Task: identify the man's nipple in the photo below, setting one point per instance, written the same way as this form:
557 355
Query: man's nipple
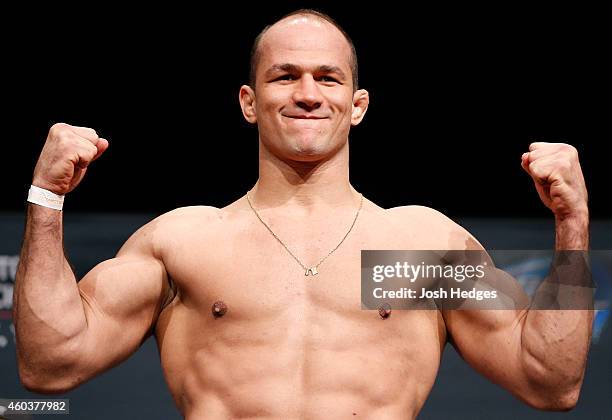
219 308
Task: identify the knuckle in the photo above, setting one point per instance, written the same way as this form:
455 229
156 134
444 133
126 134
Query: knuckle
535 169
567 164
64 135
57 128
87 153
90 132
574 152
567 147
74 156
62 130
92 151
65 141
570 151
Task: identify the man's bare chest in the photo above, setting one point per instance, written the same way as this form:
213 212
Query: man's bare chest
254 274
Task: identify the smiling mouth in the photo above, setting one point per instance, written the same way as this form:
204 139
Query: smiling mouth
304 117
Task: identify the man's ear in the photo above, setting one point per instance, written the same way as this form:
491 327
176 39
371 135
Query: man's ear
361 100
247 103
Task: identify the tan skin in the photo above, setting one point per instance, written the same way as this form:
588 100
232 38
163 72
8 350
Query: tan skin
289 346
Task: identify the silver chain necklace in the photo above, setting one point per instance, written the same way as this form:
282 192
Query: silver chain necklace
312 271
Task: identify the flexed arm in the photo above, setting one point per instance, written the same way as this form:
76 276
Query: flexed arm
66 331
538 354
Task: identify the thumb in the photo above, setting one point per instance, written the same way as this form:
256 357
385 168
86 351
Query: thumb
525 165
102 145
525 162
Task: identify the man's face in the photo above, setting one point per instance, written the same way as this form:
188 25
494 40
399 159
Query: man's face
304 92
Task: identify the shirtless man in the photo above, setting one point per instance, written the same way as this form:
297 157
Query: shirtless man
277 343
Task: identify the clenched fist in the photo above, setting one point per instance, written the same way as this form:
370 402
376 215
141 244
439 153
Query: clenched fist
556 171
64 159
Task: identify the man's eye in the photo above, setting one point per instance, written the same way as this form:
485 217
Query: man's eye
285 77
328 79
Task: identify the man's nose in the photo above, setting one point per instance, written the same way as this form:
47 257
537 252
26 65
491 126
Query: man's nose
307 94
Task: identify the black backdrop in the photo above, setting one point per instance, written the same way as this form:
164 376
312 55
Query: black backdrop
457 95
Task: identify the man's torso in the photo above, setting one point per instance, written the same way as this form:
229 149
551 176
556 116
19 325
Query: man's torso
290 345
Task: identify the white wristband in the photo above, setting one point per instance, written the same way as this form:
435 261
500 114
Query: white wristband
45 198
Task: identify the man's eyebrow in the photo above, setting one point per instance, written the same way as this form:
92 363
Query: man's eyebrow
292 68
285 67
331 69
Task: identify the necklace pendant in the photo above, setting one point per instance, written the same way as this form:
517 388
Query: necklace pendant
311 271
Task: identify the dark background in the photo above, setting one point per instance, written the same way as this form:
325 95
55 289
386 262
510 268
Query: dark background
457 95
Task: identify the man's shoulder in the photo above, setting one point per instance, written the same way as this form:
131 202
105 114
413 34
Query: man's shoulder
172 226
433 224
183 220
182 215
420 213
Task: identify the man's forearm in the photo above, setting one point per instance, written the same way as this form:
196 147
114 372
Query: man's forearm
556 341
572 232
47 308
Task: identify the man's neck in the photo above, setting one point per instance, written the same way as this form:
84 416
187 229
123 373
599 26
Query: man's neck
306 187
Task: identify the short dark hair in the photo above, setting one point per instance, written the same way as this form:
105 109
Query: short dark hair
256 54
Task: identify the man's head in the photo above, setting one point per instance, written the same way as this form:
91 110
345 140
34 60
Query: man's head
256 51
303 94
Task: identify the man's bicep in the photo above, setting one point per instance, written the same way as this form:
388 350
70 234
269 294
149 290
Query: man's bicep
122 298
490 340
488 335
